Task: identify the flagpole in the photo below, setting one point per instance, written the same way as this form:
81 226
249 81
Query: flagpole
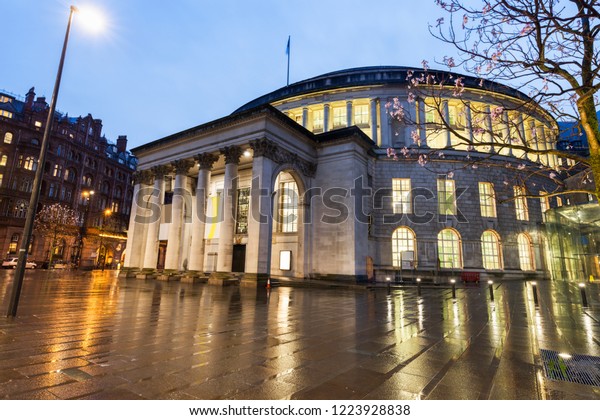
288 64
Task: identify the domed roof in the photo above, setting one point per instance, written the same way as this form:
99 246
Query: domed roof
369 76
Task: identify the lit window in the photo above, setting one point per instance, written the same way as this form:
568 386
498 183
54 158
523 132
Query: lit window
401 195
544 204
6 114
8 137
318 119
521 208
559 202
361 115
14 243
403 242
288 207
29 163
1 179
491 251
38 124
526 261
339 116
3 160
449 249
243 207
446 196
487 199
57 170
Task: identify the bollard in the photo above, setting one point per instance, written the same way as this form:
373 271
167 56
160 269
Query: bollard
535 296
453 288
418 287
491 287
583 296
389 284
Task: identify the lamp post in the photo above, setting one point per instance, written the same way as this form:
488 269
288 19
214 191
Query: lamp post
37 182
106 214
87 196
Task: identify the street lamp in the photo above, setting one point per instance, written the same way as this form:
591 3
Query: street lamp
101 254
37 182
87 196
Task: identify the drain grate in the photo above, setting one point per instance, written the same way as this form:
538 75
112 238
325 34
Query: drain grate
577 368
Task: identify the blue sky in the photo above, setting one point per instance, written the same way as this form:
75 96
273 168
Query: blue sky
160 67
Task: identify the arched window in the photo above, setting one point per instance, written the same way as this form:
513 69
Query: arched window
403 246
287 215
87 180
3 160
59 250
449 249
30 163
491 252
14 243
8 137
526 260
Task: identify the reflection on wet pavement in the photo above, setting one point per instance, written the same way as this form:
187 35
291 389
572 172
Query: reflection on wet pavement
93 336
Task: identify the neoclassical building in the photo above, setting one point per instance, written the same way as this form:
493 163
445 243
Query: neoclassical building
361 174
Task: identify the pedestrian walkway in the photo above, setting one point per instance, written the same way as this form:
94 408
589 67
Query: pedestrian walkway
94 336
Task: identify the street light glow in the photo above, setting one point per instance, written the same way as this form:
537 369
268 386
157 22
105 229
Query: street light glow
91 19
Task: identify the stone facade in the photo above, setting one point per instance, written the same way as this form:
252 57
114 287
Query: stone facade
301 184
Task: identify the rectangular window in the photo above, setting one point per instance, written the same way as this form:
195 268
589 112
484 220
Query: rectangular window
1 179
288 207
243 206
401 195
521 203
339 116
317 119
446 196
6 114
487 199
361 115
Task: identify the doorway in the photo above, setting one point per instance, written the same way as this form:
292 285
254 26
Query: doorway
238 264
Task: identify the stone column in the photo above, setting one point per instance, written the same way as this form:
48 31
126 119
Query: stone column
521 127
205 163
469 122
348 113
260 220
489 128
305 117
325 118
374 121
225 249
155 207
446 116
136 232
173 253
386 125
506 130
421 123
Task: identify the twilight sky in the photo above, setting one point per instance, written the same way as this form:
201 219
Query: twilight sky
160 67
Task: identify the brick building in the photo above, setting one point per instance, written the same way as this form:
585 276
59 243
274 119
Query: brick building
83 171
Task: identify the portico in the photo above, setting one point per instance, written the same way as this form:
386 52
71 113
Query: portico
231 202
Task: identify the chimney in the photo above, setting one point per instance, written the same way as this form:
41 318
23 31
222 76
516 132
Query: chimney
122 144
29 99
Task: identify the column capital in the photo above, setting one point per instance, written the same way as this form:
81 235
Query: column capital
142 177
206 160
160 170
182 166
264 147
232 154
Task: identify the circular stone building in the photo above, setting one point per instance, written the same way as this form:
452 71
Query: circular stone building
365 174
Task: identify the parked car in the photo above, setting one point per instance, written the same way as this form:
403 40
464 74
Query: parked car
12 263
61 265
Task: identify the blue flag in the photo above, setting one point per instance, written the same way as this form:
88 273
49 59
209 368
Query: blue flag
287 48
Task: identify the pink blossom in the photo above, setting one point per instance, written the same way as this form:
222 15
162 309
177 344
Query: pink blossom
449 62
474 166
526 29
425 65
405 151
450 175
411 98
552 175
459 87
465 21
497 113
414 134
422 160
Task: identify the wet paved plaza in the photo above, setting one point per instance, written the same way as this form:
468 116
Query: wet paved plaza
94 336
